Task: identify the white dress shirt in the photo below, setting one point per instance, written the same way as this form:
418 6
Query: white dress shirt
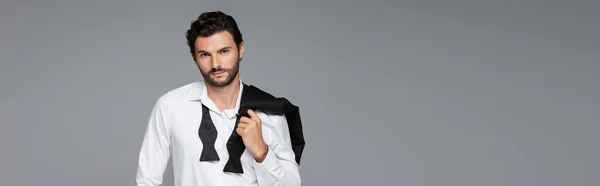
172 132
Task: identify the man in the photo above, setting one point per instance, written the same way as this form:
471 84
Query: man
197 124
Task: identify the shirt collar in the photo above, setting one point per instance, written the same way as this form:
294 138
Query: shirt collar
200 93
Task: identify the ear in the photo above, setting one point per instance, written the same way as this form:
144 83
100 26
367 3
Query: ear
241 50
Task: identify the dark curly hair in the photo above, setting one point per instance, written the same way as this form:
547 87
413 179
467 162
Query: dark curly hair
209 23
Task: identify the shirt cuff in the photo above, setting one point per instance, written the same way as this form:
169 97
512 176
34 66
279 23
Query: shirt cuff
269 161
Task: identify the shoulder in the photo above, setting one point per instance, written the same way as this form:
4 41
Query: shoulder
275 128
274 123
178 94
253 92
271 120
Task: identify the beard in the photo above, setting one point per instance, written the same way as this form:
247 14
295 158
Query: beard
231 73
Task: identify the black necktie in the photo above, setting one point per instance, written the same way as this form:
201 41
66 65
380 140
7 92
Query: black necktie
208 134
258 100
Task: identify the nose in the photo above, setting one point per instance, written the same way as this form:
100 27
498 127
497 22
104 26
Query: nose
216 61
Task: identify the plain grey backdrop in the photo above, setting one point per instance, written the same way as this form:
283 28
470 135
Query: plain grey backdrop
420 93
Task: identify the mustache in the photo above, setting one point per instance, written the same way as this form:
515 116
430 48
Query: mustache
218 69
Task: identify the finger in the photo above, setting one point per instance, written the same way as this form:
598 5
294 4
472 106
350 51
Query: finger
253 115
240 131
242 125
246 120
246 123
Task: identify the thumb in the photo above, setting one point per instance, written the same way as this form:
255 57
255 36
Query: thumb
253 115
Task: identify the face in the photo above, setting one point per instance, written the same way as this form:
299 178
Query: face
218 58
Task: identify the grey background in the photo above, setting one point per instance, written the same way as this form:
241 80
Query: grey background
454 93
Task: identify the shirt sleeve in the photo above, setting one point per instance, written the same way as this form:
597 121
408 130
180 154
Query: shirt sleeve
155 151
279 166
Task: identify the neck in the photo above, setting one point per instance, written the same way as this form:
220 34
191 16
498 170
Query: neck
224 97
